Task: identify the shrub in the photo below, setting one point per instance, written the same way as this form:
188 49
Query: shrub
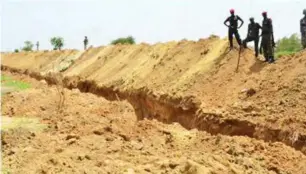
28 46
57 43
288 45
128 40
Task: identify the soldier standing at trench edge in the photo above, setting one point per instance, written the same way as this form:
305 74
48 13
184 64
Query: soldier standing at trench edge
267 41
303 29
37 45
85 43
253 35
233 27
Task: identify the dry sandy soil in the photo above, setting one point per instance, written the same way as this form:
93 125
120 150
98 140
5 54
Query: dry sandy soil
93 135
176 107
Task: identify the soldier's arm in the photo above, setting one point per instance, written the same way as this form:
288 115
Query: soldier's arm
249 29
301 26
225 22
271 26
273 42
272 33
259 26
242 22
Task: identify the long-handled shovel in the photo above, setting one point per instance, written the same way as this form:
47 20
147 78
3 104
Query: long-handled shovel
240 49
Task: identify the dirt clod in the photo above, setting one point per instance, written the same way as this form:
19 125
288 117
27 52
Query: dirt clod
173 165
42 108
108 129
109 139
72 141
98 132
87 157
250 92
72 136
12 152
125 137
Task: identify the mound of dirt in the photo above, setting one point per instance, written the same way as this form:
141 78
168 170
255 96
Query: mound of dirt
41 61
270 95
93 135
162 67
194 84
165 67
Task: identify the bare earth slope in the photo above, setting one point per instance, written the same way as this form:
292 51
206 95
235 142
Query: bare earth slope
93 135
163 67
192 83
41 61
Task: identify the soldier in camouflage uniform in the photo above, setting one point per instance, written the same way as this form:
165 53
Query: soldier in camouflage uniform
303 29
267 41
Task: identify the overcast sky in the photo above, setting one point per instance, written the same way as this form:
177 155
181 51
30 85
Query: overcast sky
148 21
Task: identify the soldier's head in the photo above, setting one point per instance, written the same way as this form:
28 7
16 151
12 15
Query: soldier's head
252 20
304 12
264 14
232 11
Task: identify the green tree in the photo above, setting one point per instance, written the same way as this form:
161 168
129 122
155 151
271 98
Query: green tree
124 40
28 46
16 50
288 45
57 43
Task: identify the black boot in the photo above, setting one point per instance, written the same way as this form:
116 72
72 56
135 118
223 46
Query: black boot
271 60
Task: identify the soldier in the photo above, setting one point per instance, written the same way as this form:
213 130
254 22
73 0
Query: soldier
85 43
233 27
253 35
267 41
37 45
303 29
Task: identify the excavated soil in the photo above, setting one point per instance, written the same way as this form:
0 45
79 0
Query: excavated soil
41 61
93 135
191 83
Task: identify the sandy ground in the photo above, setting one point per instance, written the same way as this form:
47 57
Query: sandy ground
248 121
93 135
5 89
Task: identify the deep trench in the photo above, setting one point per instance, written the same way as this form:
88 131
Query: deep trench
167 109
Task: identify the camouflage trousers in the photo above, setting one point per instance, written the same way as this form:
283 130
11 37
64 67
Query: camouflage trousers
266 44
304 40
